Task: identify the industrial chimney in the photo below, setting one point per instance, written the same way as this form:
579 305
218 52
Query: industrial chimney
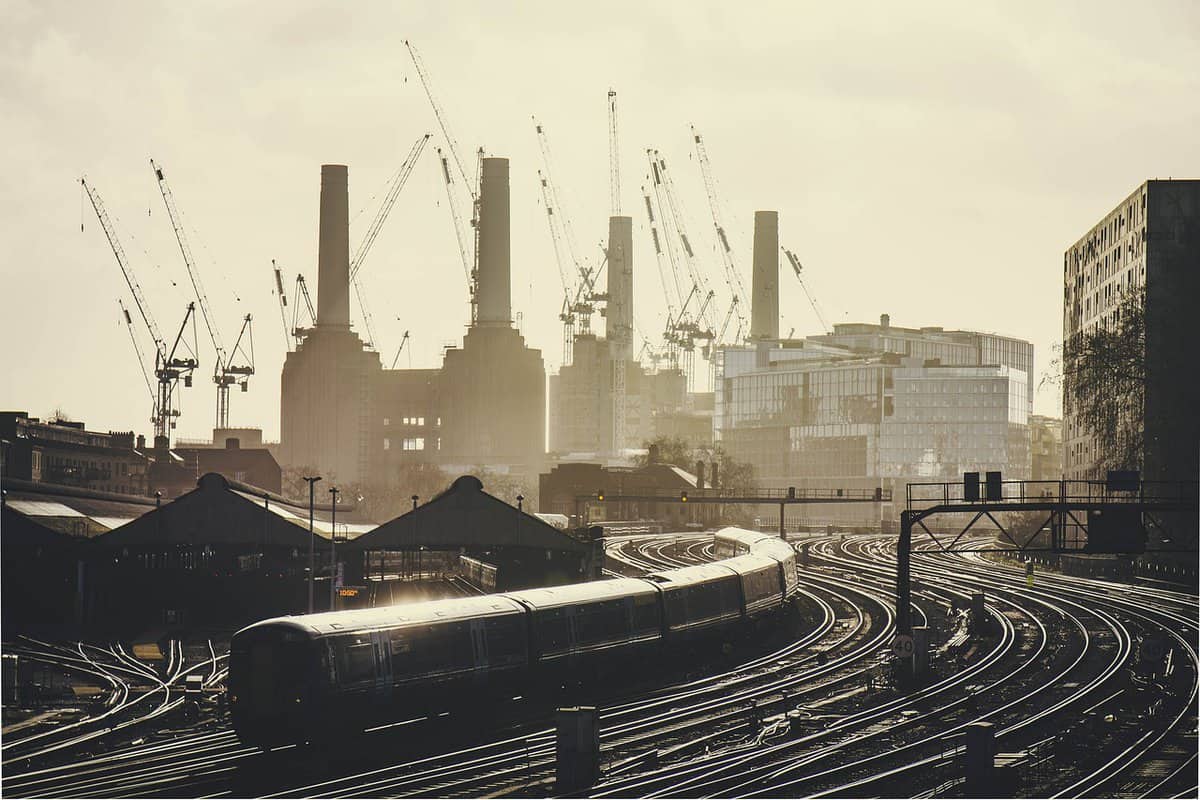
495 255
333 254
764 308
618 324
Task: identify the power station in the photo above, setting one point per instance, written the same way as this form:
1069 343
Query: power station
347 417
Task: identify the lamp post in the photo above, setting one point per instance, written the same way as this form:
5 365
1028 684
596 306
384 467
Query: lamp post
333 491
312 559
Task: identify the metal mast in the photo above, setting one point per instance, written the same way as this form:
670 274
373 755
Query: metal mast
619 336
225 372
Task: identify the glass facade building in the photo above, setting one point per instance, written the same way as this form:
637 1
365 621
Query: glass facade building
873 406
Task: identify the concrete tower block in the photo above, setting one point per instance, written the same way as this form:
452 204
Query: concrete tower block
495 254
333 254
764 309
618 325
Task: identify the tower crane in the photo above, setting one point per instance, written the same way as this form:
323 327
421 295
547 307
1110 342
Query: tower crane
579 278
619 336
400 349
225 371
137 349
301 293
471 259
393 192
282 295
614 157
733 278
171 363
812 301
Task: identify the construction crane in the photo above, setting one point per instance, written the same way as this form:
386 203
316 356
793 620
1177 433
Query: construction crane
733 278
301 293
566 314
614 157
171 363
579 278
464 250
137 349
225 371
282 295
812 301
470 260
393 192
619 335
400 349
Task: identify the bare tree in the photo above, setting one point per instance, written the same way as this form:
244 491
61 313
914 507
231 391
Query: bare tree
1103 375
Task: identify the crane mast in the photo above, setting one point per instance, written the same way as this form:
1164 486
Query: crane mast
614 157
169 364
621 335
301 293
225 372
400 349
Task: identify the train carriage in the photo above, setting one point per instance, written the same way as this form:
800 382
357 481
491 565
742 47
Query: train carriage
295 679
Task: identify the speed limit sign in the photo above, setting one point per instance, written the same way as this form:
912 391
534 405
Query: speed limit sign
902 646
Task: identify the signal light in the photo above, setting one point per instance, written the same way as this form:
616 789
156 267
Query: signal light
971 487
683 497
600 495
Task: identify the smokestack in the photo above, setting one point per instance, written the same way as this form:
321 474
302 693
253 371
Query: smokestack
618 325
495 255
764 308
333 254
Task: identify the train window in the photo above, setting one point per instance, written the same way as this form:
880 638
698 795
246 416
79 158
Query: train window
601 622
554 630
505 639
645 614
356 659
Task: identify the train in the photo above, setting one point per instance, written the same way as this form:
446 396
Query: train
325 677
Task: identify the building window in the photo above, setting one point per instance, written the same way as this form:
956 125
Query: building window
386 422
387 444
417 443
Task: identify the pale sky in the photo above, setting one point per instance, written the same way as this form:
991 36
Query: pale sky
928 160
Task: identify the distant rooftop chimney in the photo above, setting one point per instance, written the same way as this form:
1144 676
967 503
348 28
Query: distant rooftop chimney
333 254
885 321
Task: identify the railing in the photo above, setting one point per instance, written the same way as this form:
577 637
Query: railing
925 495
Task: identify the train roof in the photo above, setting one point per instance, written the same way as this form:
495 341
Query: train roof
742 535
570 594
750 562
696 574
397 616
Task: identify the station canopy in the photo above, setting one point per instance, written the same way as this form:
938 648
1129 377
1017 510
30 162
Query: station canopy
465 516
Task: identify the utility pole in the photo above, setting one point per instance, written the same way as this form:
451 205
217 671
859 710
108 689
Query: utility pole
312 559
333 491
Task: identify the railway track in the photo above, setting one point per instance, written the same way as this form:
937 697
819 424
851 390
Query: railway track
1059 654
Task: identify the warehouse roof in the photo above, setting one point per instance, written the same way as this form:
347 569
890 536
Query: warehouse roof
466 516
221 511
72 511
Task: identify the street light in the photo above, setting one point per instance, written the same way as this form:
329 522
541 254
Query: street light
312 562
333 491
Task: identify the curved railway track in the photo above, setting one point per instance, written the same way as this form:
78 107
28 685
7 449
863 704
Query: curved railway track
1058 653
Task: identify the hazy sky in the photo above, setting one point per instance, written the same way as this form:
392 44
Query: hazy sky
931 161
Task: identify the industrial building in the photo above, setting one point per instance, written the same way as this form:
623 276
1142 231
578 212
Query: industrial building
346 417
